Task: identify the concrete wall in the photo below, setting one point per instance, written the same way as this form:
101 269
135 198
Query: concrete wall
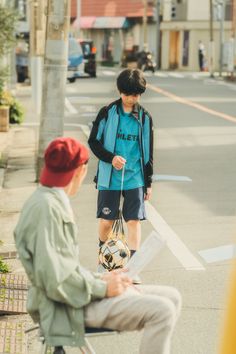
197 31
165 50
198 10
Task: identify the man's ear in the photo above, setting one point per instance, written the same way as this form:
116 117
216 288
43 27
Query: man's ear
81 171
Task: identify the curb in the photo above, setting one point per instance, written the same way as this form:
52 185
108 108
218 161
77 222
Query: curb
4 150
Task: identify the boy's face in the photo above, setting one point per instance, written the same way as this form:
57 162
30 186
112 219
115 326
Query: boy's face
130 100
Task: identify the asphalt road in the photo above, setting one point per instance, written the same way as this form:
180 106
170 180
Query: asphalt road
194 197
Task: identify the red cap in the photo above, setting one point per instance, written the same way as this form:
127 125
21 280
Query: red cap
62 157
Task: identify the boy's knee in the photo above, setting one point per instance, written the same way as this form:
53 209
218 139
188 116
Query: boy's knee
133 223
106 224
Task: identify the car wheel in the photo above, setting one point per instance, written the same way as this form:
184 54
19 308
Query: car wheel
71 79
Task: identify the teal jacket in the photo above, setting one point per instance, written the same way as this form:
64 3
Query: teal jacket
102 141
46 240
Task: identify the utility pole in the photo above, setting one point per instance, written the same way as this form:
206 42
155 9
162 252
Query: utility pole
37 30
78 15
222 19
145 39
54 75
211 44
158 38
233 35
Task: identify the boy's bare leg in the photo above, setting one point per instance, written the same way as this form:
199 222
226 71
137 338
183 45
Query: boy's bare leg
134 234
104 228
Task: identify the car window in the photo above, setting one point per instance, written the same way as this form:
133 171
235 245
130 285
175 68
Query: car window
86 48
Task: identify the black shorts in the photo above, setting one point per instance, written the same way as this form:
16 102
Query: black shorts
133 204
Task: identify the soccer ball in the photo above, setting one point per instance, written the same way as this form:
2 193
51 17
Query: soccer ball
113 254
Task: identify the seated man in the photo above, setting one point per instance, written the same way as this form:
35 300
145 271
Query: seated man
64 297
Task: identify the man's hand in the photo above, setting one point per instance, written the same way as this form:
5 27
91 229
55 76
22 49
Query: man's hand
117 282
118 162
147 195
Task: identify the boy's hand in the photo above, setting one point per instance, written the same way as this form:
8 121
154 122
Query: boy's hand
147 195
118 162
117 282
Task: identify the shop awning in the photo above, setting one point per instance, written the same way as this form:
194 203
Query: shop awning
111 22
84 22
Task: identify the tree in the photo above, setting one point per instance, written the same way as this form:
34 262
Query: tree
8 21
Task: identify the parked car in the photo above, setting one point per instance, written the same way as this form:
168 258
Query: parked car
81 59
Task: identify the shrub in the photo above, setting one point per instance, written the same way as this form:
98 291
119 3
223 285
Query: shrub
16 109
4 268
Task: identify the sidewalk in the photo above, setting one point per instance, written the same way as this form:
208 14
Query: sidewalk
17 182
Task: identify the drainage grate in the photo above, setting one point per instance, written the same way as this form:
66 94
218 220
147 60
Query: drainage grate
12 338
12 301
13 281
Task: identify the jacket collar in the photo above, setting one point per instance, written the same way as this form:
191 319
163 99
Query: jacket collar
135 111
60 195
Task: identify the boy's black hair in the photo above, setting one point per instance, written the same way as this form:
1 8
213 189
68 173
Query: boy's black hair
131 82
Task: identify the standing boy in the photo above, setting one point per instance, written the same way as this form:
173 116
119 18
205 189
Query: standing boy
122 140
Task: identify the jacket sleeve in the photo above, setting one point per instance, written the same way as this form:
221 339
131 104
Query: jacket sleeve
148 142
95 140
58 270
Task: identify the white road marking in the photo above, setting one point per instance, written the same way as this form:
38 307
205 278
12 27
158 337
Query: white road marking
171 178
84 127
160 74
176 75
218 254
195 76
108 73
71 109
176 246
88 114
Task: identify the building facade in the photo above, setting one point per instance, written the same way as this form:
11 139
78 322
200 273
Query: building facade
186 23
173 36
115 26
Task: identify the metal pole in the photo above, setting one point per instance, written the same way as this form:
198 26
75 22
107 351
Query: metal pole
78 15
233 35
145 42
211 44
37 26
158 34
54 75
222 19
